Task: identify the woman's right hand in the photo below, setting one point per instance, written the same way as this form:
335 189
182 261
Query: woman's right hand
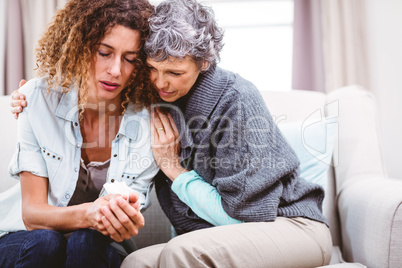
94 214
18 101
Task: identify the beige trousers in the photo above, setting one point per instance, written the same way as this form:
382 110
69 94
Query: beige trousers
286 242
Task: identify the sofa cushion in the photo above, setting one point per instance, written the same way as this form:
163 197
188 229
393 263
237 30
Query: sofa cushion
313 142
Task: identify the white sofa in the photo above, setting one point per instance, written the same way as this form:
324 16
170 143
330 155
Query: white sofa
362 205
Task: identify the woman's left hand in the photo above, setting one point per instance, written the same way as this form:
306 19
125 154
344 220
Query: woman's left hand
122 219
166 144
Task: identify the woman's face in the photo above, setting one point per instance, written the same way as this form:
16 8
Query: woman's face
173 78
113 63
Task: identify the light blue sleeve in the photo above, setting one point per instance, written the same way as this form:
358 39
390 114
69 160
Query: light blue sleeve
202 198
29 155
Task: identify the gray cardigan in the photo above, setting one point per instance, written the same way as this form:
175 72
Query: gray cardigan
230 139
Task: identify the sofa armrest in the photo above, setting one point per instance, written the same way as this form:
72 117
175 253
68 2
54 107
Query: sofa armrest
371 222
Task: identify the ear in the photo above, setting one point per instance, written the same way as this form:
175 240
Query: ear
204 65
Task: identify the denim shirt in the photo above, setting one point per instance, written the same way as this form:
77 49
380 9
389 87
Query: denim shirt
49 145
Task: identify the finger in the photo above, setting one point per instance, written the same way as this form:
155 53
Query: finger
171 136
125 213
16 95
100 227
112 232
132 197
154 133
165 123
127 208
134 214
111 196
158 125
136 205
173 125
112 224
22 82
132 218
16 110
121 209
176 133
18 103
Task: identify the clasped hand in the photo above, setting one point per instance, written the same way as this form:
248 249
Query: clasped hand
113 216
166 144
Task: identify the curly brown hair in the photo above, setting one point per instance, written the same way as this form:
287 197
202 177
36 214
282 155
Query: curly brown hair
65 50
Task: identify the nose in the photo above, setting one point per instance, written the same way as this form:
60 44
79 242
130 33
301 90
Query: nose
115 67
159 81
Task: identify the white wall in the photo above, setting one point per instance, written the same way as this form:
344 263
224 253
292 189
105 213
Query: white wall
384 20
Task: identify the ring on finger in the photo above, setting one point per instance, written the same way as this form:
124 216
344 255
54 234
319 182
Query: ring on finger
160 128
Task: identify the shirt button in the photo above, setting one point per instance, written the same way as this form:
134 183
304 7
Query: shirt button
112 180
78 146
76 124
67 196
115 155
76 169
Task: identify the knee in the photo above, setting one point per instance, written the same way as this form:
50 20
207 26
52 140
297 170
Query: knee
48 243
180 251
88 241
89 248
88 238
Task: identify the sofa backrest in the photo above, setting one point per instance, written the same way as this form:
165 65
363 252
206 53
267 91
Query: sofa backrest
359 148
300 105
8 137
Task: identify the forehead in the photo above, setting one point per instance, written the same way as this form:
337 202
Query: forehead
120 37
172 63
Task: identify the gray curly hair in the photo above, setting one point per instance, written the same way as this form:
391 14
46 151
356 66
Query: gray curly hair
181 28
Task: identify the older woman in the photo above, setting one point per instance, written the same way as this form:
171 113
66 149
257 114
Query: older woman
81 130
233 164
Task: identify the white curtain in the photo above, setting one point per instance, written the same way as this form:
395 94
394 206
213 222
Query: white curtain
14 55
308 64
3 19
344 43
21 25
36 15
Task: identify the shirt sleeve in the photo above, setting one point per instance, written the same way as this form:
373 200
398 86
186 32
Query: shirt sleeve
202 198
28 156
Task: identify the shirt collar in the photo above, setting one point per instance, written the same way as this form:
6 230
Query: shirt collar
134 116
68 106
129 127
206 92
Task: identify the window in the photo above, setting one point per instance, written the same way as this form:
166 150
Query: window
258 40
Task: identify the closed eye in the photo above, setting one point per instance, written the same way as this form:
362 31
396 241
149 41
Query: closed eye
103 54
130 61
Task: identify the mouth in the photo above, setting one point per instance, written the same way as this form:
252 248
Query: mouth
109 86
164 93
